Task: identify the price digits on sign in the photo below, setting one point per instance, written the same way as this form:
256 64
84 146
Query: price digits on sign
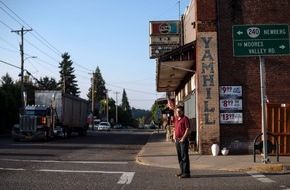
230 89
227 103
226 89
228 116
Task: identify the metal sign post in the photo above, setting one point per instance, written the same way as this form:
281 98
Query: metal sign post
261 40
263 104
158 115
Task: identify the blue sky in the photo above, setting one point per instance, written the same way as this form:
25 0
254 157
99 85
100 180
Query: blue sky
113 35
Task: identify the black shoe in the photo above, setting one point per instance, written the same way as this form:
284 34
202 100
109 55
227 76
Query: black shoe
184 176
178 175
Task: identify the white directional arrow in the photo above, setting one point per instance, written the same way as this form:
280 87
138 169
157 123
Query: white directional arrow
282 46
239 32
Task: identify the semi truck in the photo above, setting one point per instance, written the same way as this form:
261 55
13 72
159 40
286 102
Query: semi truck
54 114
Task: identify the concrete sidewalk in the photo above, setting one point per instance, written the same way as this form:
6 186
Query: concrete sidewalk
159 152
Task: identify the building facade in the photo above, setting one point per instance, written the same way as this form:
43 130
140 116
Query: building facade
221 91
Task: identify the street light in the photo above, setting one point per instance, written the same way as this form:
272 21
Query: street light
30 57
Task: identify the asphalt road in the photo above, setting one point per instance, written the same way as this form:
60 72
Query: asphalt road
106 160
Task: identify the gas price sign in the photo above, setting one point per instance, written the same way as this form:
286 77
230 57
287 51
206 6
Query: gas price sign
231 105
231 118
226 91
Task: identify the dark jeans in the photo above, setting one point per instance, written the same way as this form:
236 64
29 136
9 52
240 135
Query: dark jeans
183 157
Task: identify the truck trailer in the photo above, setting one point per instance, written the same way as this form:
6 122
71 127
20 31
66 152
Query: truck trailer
54 114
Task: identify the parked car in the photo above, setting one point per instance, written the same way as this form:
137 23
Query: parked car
118 126
96 124
141 126
104 126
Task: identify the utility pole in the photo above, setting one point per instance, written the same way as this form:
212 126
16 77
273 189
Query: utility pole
21 32
107 103
117 106
93 97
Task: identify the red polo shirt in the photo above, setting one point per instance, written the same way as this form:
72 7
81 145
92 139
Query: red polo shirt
180 126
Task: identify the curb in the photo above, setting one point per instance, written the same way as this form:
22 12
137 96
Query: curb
286 167
157 154
260 168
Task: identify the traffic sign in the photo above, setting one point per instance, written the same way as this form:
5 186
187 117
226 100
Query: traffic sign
257 40
158 113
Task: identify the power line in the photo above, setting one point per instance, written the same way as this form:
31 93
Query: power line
42 51
6 25
20 69
42 40
10 44
13 13
132 81
47 44
8 49
10 64
9 14
131 89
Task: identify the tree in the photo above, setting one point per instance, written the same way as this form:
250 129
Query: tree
125 103
6 80
47 83
99 91
10 101
99 86
67 82
127 109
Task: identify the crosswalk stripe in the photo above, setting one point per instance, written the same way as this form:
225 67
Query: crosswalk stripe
126 177
65 161
261 177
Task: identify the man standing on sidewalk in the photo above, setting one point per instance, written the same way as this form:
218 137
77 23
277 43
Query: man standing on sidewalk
181 129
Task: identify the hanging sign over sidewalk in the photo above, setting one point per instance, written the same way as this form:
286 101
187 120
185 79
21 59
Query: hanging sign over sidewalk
164 37
260 40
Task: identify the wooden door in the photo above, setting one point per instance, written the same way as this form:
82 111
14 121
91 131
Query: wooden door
278 123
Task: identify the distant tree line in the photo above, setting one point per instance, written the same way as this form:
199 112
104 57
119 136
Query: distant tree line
10 97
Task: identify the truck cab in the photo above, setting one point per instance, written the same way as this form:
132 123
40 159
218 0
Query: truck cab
34 123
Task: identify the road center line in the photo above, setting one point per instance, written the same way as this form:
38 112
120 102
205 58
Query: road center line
126 177
12 169
67 161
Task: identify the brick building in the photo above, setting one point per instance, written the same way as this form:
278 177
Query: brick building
204 64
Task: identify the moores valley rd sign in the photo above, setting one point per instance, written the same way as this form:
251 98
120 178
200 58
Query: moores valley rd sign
260 40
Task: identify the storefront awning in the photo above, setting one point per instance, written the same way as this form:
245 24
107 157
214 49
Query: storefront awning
171 73
173 67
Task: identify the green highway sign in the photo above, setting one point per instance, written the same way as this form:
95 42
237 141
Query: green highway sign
260 40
